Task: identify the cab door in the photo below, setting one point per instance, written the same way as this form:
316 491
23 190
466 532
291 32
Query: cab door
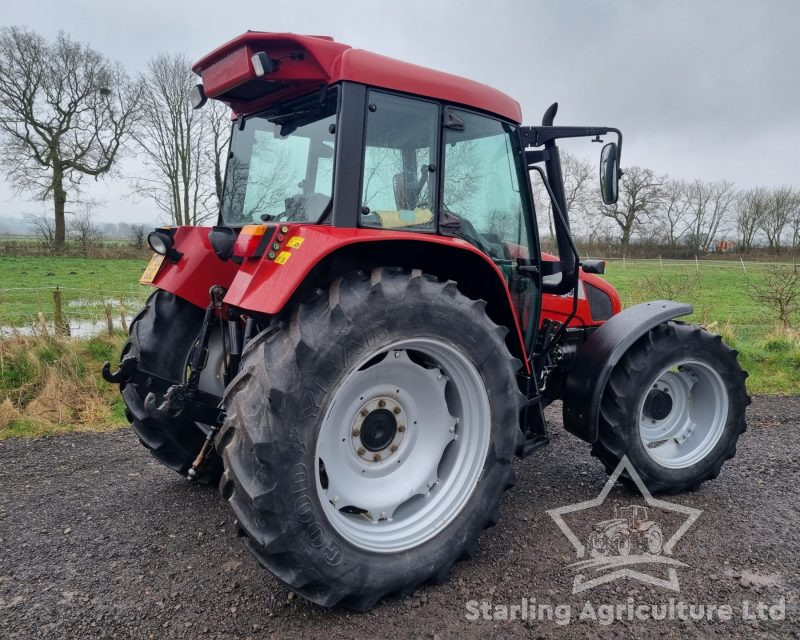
485 200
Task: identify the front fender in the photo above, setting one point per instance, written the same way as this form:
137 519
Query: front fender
597 357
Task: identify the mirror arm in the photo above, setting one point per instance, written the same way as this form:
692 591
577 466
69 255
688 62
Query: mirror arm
539 136
568 256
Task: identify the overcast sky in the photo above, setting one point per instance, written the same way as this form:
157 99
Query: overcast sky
700 88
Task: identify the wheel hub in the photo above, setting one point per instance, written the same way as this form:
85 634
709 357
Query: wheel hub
658 404
402 444
378 429
683 414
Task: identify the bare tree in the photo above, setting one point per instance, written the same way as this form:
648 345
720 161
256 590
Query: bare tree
183 148
45 230
779 212
672 287
65 112
83 228
794 222
639 199
219 134
751 209
137 236
709 204
670 213
579 185
779 291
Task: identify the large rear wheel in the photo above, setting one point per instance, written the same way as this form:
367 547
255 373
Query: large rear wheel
370 435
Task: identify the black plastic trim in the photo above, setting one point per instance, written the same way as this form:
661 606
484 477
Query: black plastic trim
596 358
349 153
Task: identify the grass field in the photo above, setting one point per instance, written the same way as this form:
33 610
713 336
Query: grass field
720 292
50 384
86 284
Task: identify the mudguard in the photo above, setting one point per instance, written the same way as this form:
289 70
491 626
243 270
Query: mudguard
592 368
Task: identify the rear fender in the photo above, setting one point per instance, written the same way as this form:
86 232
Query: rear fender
312 255
597 357
197 270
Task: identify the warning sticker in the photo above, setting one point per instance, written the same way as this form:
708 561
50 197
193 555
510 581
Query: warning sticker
283 257
294 242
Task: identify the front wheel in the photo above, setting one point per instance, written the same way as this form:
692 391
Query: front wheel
675 406
369 437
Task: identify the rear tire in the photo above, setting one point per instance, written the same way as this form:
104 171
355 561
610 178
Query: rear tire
294 374
161 337
661 359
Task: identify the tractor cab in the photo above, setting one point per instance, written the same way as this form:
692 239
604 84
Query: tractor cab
328 135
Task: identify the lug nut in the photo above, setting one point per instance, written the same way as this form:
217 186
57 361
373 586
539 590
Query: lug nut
401 428
396 410
394 448
356 433
381 403
361 451
376 457
363 413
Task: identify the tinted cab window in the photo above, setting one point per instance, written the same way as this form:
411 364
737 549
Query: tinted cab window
400 145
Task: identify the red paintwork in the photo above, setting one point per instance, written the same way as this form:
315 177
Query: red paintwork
262 285
198 268
329 62
559 307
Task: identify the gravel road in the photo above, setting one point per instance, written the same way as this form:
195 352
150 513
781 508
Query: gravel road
98 540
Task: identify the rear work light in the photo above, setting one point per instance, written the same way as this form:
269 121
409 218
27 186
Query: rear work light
252 241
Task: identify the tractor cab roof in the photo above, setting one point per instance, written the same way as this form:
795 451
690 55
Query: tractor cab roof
304 63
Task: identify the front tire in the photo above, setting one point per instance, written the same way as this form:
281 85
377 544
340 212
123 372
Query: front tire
675 406
315 457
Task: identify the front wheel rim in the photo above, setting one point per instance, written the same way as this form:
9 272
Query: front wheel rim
402 445
683 413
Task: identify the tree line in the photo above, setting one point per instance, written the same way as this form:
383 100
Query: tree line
68 113
675 216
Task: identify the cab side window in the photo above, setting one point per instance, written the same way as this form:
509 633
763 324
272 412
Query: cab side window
397 185
481 200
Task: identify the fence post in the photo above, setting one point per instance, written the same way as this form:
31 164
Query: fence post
696 263
123 322
109 318
743 267
661 261
59 324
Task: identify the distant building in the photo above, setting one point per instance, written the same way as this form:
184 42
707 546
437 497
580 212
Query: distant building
726 246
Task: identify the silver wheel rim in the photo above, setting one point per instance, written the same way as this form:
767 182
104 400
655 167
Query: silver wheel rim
683 413
395 490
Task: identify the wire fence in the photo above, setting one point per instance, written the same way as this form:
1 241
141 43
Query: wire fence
75 311
719 290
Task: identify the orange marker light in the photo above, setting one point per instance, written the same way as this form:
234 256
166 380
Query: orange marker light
249 238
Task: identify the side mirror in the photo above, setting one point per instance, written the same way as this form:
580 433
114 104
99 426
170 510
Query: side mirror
609 173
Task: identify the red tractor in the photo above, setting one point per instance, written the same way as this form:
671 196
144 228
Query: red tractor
360 347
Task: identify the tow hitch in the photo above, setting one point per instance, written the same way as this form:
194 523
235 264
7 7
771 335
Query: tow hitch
178 399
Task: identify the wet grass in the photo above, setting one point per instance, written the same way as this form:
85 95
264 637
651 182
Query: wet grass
86 284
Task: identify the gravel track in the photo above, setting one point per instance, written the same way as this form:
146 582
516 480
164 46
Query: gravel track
98 540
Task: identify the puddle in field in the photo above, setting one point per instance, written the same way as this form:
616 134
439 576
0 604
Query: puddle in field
79 327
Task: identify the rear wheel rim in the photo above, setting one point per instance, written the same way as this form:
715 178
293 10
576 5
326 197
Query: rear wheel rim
402 445
683 413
